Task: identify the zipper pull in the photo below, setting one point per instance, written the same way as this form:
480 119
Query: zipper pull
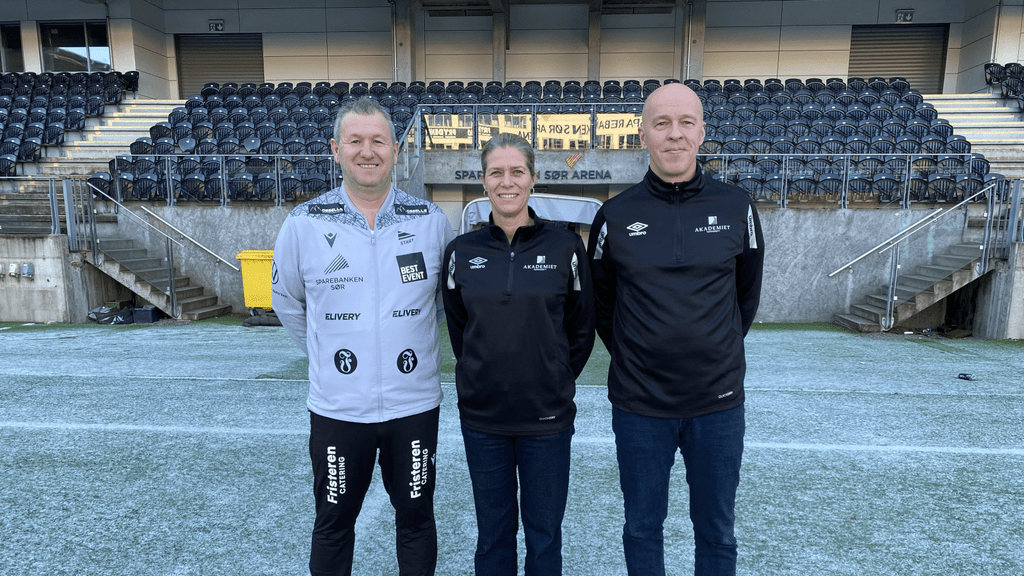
511 256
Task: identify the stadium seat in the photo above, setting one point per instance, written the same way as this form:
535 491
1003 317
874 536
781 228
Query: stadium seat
803 185
941 187
203 147
146 187
240 187
8 164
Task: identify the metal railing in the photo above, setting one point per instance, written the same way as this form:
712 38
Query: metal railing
1000 230
80 209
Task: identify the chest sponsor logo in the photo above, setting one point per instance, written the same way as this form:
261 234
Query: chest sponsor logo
412 267
477 262
405 237
407 361
345 361
326 209
405 313
411 210
637 229
713 226
338 263
342 315
273 273
540 265
330 239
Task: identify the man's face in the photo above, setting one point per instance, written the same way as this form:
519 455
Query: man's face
367 152
673 130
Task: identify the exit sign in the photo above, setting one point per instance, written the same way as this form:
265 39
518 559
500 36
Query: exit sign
216 25
905 16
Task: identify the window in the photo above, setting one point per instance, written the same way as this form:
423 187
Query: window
10 48
75 47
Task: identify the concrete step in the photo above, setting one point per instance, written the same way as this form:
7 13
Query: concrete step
952 261
856 323
142 262
972 251
912 281
107 244
125 255
207 312
935 271
869 312
196 302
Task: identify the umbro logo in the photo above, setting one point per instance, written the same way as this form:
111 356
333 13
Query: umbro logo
405 237
330 238
637 229
477 262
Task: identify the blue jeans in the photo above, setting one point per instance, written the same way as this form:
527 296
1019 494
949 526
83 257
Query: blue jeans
543 465
712 447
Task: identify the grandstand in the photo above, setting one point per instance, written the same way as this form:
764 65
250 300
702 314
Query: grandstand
171 148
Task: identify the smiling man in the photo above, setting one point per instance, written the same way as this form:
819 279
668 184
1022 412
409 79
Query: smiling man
676 263
355 283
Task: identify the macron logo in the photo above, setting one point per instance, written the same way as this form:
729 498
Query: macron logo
637 229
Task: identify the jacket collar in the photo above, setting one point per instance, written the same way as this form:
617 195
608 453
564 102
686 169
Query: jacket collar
523 233
671 191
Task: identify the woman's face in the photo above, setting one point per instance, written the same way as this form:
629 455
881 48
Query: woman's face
508 181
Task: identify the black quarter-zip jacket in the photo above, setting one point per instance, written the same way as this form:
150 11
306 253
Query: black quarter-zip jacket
677 280
521 323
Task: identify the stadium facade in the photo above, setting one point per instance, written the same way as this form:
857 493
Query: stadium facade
178 46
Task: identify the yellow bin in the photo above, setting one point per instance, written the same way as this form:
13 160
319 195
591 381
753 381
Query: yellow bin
257 269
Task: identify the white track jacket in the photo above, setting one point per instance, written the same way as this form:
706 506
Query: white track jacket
364 304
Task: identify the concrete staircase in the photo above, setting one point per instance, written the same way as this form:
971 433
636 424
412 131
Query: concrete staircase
994 126
146 275
25 207
925 285
918 290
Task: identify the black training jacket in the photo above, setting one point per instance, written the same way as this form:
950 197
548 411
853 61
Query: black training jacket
521 322
677 279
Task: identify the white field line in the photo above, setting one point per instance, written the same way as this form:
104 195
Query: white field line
607 440
600 386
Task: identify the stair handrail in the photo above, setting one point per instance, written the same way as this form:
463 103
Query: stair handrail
914 228
88 197
165 223
190 239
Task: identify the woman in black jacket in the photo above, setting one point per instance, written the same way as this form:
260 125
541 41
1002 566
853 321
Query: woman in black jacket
521 319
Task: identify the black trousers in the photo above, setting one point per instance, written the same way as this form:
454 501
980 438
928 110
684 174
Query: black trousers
343 455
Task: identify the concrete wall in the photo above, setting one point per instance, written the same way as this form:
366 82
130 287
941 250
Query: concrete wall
548 41
64 288
458 48
803 247
639 46
351 40
1000 312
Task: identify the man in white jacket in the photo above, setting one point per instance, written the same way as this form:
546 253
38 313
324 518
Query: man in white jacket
356 284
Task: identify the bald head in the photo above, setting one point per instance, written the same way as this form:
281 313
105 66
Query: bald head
674 93
672 130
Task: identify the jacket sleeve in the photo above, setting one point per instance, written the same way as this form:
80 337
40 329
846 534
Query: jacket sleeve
749 269
602 271
447 235
454 308
288 289
579 311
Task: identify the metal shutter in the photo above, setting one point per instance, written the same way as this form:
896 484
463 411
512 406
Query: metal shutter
217 58
915 52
